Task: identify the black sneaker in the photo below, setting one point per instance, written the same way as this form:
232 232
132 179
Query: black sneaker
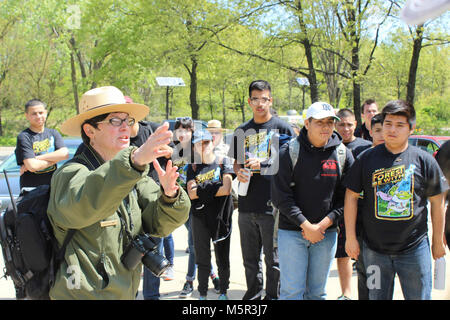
188 288
216 283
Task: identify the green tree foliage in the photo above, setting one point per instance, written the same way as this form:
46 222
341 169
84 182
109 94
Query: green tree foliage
349 50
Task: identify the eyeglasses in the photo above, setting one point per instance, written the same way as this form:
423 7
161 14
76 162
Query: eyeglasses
117 122
256 101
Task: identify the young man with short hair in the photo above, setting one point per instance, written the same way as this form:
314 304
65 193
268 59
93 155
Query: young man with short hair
397 180
251 147
376 129
310 197
369 108
346 128
38 148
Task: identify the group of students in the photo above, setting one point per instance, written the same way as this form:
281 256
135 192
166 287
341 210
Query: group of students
323 193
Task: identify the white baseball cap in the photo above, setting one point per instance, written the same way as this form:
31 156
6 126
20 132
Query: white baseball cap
321 110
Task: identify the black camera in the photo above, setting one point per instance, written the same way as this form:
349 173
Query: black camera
144 249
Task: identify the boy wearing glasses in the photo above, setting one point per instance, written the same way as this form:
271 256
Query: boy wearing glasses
251 148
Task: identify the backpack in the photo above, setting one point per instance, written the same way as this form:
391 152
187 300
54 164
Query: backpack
30 249
294 150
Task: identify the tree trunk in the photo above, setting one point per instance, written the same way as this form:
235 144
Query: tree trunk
193 86
224 108
74 82
354 40
167 103
242 104
2 77
243 111
356 85
314 92
411 85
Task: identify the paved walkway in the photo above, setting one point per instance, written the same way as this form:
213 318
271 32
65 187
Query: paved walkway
170 289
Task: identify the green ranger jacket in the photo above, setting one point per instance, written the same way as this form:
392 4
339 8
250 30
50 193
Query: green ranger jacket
92 203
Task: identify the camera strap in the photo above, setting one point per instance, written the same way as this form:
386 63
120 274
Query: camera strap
123 224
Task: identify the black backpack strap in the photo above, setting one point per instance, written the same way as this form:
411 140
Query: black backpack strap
62 250
86 158
59 256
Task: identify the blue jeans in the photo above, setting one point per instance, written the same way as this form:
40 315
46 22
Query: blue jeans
150 285
192 267
304 267
169 249
413 268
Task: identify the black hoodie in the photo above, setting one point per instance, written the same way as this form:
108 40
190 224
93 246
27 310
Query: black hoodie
318 191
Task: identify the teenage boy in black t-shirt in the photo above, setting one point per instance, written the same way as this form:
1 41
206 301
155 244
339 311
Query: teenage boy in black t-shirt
251 148
38 148
397 180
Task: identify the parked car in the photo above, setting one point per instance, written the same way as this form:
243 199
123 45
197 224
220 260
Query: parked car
430 144
13 170
292 116
198 124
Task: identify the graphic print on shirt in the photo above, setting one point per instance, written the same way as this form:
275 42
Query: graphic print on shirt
44 146
393 189
329 168
212 175
182 170
258 146
47 145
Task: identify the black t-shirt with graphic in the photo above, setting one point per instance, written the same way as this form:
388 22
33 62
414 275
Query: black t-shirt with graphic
212 172
254 140
31 144
396 188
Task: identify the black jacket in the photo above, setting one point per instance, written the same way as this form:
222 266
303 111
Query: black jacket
318 191
216 211
363 132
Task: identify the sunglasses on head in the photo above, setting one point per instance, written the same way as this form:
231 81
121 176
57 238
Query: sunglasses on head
183 118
